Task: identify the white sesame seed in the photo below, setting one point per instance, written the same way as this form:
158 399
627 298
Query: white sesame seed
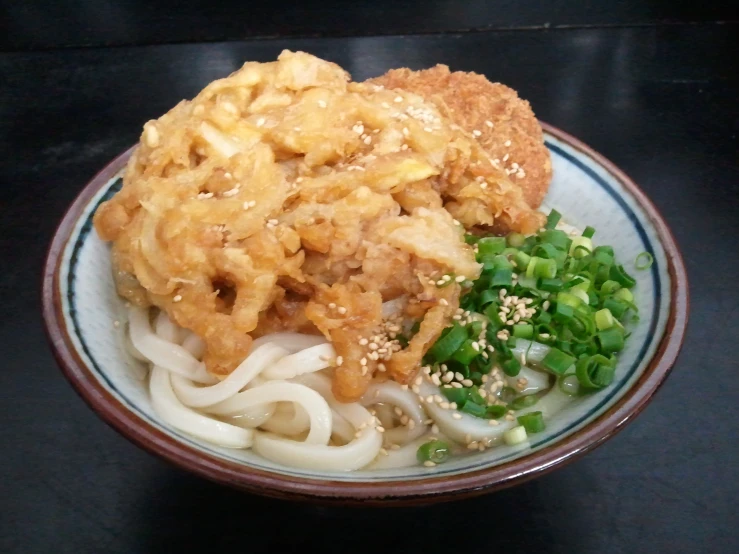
177 298
489 123
460 278
363 361
476 346
398 99
429 463
505 158
116 324
457 416
507 143
321 103
476 133
260 122
362 341
467 383
341 310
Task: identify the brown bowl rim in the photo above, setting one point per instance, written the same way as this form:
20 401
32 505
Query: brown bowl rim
424 490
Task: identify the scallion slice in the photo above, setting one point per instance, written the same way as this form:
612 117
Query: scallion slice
435 451
552 219
611 339
533 422
448 344
523 330
515 436
522 402
557 361
643 261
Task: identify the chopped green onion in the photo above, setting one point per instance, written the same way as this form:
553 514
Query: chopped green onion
643 261
611 339
563 313
435 451
456 395
503 277
618 274
604 319
521 259
616 307
588 232
545 269
515 240
609 287
594 372
487 296
490 246
448 344
531 268
581 294
523 402
569 299
550 285
557 361
533 422
473 409
552 219
511 367
471 239
558 239
523 330
569 384
495 411
466 353
515 436
583 243
624 294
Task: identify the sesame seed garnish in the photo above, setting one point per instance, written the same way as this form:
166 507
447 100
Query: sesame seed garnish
505 158
489 123
321 103
476 133
429 463
363 361
467 382
205 195
398 99
341 310
459 278
457 416
116 323
427 129
177 298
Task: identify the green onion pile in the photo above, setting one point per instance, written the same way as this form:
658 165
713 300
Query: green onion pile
582 299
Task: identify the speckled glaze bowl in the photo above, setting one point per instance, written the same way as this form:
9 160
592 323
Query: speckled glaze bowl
80 307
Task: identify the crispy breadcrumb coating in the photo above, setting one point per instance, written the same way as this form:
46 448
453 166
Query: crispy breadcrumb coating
503 123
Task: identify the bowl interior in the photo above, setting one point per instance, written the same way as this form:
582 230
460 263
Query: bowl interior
584 190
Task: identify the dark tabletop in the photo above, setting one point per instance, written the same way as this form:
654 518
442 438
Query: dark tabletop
653 88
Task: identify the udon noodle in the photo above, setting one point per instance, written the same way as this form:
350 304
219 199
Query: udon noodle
278 402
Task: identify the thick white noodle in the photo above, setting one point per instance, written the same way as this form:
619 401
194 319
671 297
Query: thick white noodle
469 427
171 410
131 349
194 345
281 391
254 417
293 342
167 330
384 412
342 429
391 392
291 421
354 455
536 381
255 363
405 456
307 360
165 354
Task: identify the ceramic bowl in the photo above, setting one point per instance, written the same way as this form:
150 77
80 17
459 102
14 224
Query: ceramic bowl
80 307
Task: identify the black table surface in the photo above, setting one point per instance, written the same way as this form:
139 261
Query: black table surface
658 100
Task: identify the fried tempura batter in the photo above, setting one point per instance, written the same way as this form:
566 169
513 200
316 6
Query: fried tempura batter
503 123
287 197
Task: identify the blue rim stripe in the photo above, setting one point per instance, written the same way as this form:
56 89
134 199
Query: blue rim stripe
115 187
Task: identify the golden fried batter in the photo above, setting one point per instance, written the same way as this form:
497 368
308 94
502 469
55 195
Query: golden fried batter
287 197
507 127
